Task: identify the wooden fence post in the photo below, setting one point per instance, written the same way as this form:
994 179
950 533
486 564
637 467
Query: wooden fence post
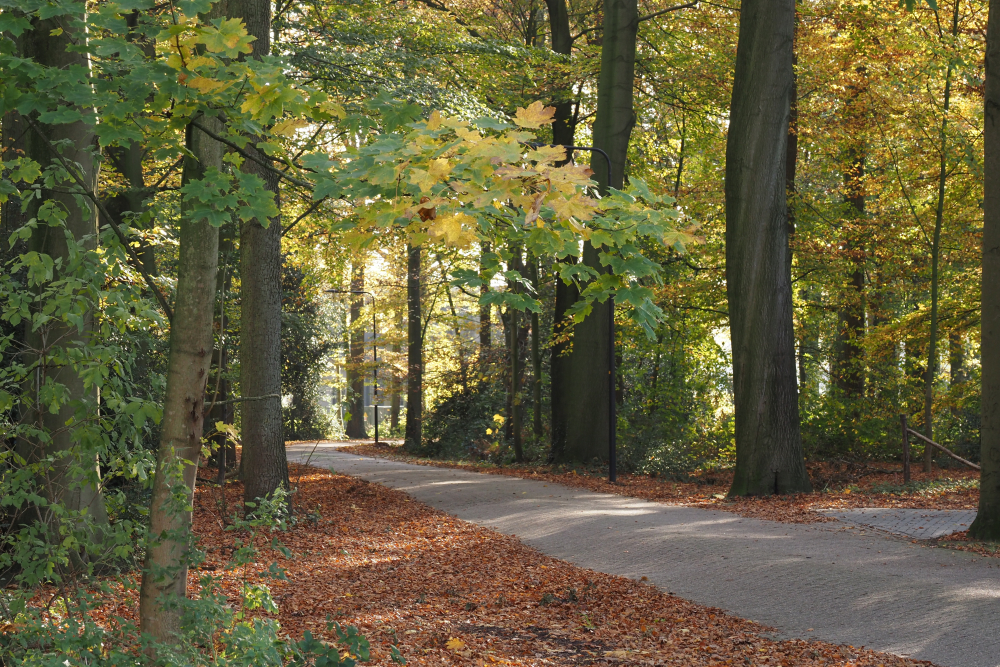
906 450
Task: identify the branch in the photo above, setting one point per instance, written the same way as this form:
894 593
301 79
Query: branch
252 158
439 6
694 3
111 221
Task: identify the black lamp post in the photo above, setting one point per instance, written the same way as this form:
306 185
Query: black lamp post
374 351
612 405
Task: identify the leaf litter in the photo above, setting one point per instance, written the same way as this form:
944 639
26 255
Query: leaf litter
447 592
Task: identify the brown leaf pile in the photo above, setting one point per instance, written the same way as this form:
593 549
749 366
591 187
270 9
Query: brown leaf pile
841 486
447 592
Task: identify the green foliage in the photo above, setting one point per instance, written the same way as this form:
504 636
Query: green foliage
463 426
305 347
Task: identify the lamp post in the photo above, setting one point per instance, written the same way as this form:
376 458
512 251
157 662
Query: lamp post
612 405
374 350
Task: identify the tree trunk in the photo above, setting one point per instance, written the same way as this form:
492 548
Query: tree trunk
414 352
265 464
564 120
987 523
583 384
355 378
75 491
849 373
956 357
769 456
536 359
932 361
394 380
164 575
485 325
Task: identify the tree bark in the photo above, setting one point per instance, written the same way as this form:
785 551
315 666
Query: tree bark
165 572
75 492
932 360
355 378
485 325
849 375
564 120
987 523
536 358
414 352
769 456
265 464
583 386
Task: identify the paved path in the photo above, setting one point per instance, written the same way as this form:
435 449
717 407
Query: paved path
827 581
912 523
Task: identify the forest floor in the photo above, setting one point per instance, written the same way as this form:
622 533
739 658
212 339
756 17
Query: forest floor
448 592
838 486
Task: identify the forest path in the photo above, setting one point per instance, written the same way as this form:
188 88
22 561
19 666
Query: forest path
826 581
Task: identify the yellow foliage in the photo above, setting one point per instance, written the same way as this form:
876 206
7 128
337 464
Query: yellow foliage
534 116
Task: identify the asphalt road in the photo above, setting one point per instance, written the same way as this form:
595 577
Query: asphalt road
829 581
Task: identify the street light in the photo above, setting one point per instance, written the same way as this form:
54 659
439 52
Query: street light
374 350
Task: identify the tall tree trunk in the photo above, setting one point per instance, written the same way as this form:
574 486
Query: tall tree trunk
987 523
164 575
849 375
414 352
769 456
485 325
564 121
355 377
932 360
563 133
265 464
394 385
956 357
536 358
59 43
583 382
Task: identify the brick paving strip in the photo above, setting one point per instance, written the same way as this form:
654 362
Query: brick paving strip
825 581
913 523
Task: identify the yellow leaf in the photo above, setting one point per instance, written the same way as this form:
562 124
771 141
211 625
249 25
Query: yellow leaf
534 116
434 122
205 85
436 172
577 206
536 207
55 32
455 644
547 154
286 128
449 229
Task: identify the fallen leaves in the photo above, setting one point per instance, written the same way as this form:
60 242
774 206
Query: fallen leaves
448 592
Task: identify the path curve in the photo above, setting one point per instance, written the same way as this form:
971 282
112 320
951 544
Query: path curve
823 581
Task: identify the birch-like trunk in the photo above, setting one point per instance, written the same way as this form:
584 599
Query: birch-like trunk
164 576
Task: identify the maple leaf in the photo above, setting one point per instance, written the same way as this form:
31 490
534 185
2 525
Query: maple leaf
434 121
286 128
543 155
536 208
534 116
455 644
437 170
205 85
577 206
227 36
449 229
